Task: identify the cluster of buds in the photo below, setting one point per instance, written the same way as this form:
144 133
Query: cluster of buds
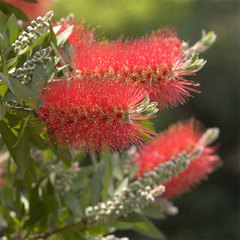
112 237
63 177
165 207
32 33
183 136
164 171
57 171
146 108
141 192
204 43
26 71
192 63
121 205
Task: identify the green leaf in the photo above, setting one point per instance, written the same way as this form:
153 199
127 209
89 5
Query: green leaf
3 89
3 110
147 228
30 174
12 28
3 23
35 129
13 119
82 178
85 198
132 217
20 90
37 209
152 211
117 170
20 153
75 233
22 158
120 225
63 154
3 32
9 138
12 61
39 77
63 36
142 225
96 184
53 37
73 203
133 171
107 176
122 185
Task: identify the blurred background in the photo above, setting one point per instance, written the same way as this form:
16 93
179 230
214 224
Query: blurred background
212 210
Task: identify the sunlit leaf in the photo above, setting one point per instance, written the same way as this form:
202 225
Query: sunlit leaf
20 90
12 28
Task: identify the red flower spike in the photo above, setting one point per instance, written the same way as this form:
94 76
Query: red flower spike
32 9
155 62
81 35
180 137
92 114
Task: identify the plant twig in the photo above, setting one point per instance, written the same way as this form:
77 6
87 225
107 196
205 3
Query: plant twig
58 230
18 108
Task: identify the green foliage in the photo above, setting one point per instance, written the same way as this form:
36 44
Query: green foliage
51 187
48 189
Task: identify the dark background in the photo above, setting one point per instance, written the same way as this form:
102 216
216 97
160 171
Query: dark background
212 210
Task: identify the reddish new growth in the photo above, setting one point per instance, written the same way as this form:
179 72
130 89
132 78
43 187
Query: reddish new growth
93 114
155 62
180 137
31 9
81 35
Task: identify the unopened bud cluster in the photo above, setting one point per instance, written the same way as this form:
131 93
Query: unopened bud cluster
146 108
204 43
26 71
112 237
209 137
139 193
62 176
166 207
32 32
192 64
164 171
121 205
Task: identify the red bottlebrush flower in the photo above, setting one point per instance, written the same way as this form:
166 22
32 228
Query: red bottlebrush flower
81 35
155 62
31 9
94 115
180 137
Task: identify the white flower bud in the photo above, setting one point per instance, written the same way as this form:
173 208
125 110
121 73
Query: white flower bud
39 19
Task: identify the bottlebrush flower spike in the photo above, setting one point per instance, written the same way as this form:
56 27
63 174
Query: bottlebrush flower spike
81 34
92 114
180 137
157 62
